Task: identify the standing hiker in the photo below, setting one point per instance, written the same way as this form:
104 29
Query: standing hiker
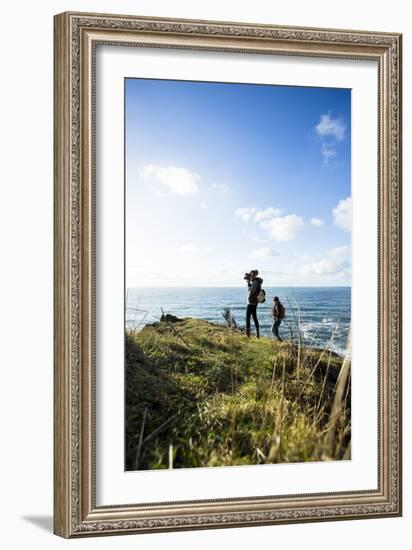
278 313
254 285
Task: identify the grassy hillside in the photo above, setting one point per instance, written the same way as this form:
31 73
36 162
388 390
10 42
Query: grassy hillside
200 394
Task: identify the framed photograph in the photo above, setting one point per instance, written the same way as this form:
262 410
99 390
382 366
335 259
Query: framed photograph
227 285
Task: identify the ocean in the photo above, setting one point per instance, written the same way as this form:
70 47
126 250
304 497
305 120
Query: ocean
324 313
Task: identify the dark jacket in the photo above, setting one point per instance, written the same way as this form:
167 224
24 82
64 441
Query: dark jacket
276 310
253 290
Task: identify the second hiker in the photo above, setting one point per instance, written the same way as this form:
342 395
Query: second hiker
278 313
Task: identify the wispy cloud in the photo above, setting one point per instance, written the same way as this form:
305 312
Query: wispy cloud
246 214
266 213
342 214
331 131
336 262
328 151
324 266
317 222
283 228
264 253
329 126
277 227
340 252
178 180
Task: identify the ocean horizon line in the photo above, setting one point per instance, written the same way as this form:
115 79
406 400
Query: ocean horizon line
238 286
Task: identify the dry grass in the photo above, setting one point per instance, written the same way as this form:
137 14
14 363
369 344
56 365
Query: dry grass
201 394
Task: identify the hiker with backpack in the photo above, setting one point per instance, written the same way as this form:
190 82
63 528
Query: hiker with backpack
255 295
278 314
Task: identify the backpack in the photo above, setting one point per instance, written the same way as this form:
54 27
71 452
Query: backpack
281 311
261 297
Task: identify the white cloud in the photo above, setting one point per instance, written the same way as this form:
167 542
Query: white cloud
283 228
203 205
329 126
317 222
178 180
246 214
264 253
336 263
340 252
324 266
278 228
266 213
342 214
328 151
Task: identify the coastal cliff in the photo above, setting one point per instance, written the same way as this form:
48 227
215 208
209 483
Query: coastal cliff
201 394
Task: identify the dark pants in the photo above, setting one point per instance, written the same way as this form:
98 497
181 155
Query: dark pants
251 311
275 328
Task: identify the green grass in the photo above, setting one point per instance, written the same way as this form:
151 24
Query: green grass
200 394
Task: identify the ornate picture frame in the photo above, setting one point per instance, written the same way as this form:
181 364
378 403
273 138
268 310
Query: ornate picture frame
76 35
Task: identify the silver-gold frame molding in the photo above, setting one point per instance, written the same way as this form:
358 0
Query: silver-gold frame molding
75 38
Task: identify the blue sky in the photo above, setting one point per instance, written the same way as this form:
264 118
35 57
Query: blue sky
224 178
